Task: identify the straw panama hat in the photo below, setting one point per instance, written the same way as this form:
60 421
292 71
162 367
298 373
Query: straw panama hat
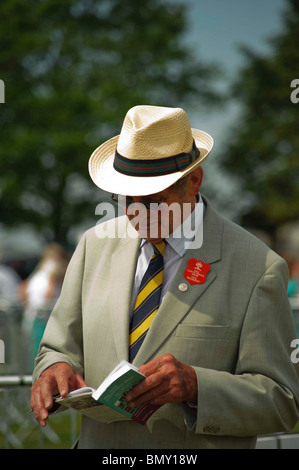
156 147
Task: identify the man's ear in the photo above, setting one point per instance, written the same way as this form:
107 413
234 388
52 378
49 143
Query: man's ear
196 179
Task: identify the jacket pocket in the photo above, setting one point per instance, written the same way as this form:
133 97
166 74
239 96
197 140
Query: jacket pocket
202 331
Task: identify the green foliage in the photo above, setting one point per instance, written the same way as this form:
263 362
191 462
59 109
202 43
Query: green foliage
71 70
263 152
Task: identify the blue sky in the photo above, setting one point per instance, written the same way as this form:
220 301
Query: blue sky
219 26
216 30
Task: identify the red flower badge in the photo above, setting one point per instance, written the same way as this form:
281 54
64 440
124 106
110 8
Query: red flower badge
196 273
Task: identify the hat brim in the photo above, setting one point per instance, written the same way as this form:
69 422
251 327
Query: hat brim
104 175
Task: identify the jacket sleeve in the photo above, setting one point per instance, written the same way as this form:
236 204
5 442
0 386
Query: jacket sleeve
262 396
62 340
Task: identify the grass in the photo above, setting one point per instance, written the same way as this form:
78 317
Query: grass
296 428
61 432
19 430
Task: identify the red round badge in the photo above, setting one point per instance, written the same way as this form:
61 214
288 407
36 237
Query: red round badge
196 272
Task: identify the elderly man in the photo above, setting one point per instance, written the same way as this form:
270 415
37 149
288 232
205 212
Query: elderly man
207 322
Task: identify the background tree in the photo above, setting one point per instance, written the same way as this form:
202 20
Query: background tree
263 146
71 70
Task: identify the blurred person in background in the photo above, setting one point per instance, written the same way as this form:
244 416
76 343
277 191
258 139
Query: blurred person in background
9 283
293 289
39 292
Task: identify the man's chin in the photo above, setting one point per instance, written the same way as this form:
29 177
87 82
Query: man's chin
152 235
153 240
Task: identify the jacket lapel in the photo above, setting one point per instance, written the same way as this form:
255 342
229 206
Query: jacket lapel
122 274
176 303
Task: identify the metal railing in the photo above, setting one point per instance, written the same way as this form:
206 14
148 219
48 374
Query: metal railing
18 427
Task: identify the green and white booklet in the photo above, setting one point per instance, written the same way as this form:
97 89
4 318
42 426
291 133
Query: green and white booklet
107 404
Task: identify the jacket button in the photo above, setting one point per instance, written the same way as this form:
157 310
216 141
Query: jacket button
211 429
183 287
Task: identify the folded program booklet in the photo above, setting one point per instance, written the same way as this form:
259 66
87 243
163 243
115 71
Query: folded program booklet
107 403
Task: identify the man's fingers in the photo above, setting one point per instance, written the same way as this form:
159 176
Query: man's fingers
141 390
63 384
167 381
150 367
45 393
80 381
148 394
38 407
58 378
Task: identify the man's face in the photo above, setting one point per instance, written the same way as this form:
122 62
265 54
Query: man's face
156 216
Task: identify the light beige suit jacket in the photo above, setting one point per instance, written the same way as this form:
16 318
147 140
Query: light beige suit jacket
235 329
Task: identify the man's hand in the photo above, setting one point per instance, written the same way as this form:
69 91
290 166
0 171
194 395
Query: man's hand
59 378
167 381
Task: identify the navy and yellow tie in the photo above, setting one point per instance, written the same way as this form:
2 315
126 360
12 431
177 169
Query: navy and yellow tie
148 300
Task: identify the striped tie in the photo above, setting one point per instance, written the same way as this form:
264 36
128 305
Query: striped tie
148 300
